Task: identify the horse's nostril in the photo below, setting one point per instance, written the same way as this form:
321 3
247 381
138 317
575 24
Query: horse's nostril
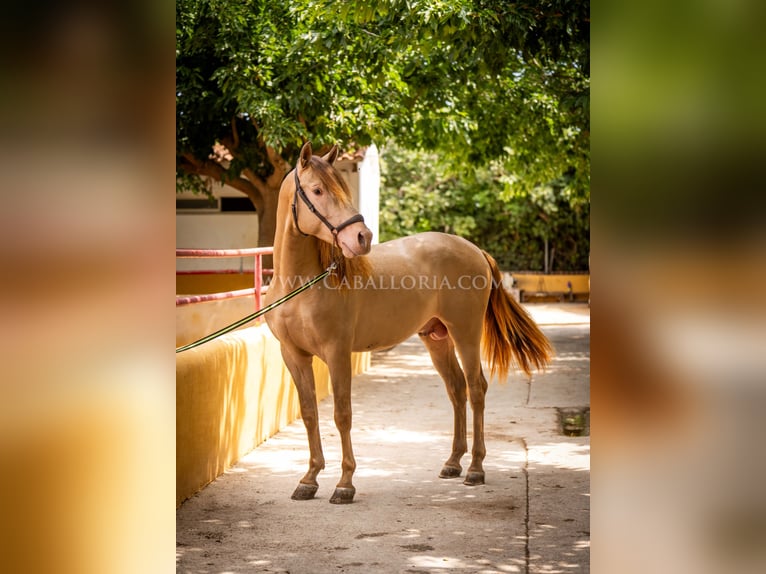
362 239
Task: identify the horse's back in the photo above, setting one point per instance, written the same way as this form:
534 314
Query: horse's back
427 253
417 278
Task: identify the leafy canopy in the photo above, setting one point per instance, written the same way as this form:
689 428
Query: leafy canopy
477 80
479 83
420 193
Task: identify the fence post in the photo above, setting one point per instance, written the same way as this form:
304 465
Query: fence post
257 252
258 280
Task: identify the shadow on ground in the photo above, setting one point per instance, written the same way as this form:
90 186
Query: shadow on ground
531 516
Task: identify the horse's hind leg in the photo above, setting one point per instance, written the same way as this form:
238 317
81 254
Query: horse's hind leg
443 357
468 347
300 366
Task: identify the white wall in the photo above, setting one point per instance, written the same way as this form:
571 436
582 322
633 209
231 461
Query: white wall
369 183
233 230
363 180
216 231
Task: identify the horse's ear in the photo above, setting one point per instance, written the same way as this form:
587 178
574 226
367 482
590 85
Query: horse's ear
305 155
331 155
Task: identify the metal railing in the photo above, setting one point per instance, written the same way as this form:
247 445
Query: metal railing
258 288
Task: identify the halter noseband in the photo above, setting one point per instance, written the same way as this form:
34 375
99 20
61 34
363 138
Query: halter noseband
333 228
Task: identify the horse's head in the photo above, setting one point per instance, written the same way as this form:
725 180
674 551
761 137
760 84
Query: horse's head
321 204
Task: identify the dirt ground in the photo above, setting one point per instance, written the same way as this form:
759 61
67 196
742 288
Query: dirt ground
532 515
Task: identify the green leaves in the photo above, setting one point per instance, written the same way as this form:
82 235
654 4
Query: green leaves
421 192
485 85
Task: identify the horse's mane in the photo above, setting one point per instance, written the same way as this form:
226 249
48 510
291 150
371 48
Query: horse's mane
347 269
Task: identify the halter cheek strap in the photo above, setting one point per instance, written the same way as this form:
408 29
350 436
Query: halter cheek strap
334 229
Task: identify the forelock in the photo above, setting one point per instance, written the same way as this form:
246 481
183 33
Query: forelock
331 179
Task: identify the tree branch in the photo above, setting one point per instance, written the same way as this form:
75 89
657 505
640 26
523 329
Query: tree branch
214 171
281 167
234 135
255 180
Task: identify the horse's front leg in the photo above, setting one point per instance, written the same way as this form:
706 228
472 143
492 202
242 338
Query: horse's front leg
340 374
300 366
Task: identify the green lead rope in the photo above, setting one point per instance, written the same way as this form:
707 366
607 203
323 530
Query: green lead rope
258 313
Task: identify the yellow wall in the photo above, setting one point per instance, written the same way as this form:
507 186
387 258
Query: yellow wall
200 319
213 283
535 282
231 395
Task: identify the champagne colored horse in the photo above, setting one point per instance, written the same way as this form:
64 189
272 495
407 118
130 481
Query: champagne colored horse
440 286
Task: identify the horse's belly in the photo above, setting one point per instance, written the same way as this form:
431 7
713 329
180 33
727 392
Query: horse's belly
414 280
386 320
382 341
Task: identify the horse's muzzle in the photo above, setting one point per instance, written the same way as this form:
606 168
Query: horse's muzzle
355 240
364 240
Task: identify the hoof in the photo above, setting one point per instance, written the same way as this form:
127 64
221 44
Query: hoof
305 491
343 495
474 478
450 472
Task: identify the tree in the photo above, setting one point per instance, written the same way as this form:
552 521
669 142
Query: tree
420 192
478 81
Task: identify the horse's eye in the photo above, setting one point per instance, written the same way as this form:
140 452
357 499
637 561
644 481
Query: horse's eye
317 191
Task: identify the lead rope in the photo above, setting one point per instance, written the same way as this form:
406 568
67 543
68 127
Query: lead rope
260 312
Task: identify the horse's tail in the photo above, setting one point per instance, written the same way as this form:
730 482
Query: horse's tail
510 335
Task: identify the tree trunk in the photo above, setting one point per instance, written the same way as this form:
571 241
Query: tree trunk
268 194
262 192
267 223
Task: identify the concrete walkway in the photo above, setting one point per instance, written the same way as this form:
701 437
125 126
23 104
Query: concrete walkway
531 516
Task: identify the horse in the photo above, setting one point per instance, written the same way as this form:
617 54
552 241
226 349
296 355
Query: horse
440 286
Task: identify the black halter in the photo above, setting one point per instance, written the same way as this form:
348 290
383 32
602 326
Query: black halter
333 228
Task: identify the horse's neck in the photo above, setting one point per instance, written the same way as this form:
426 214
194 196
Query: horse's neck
294 255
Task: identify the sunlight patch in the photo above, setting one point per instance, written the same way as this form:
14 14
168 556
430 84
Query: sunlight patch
437 562
396 436
567 455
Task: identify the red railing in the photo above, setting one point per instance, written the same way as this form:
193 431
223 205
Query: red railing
258 288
